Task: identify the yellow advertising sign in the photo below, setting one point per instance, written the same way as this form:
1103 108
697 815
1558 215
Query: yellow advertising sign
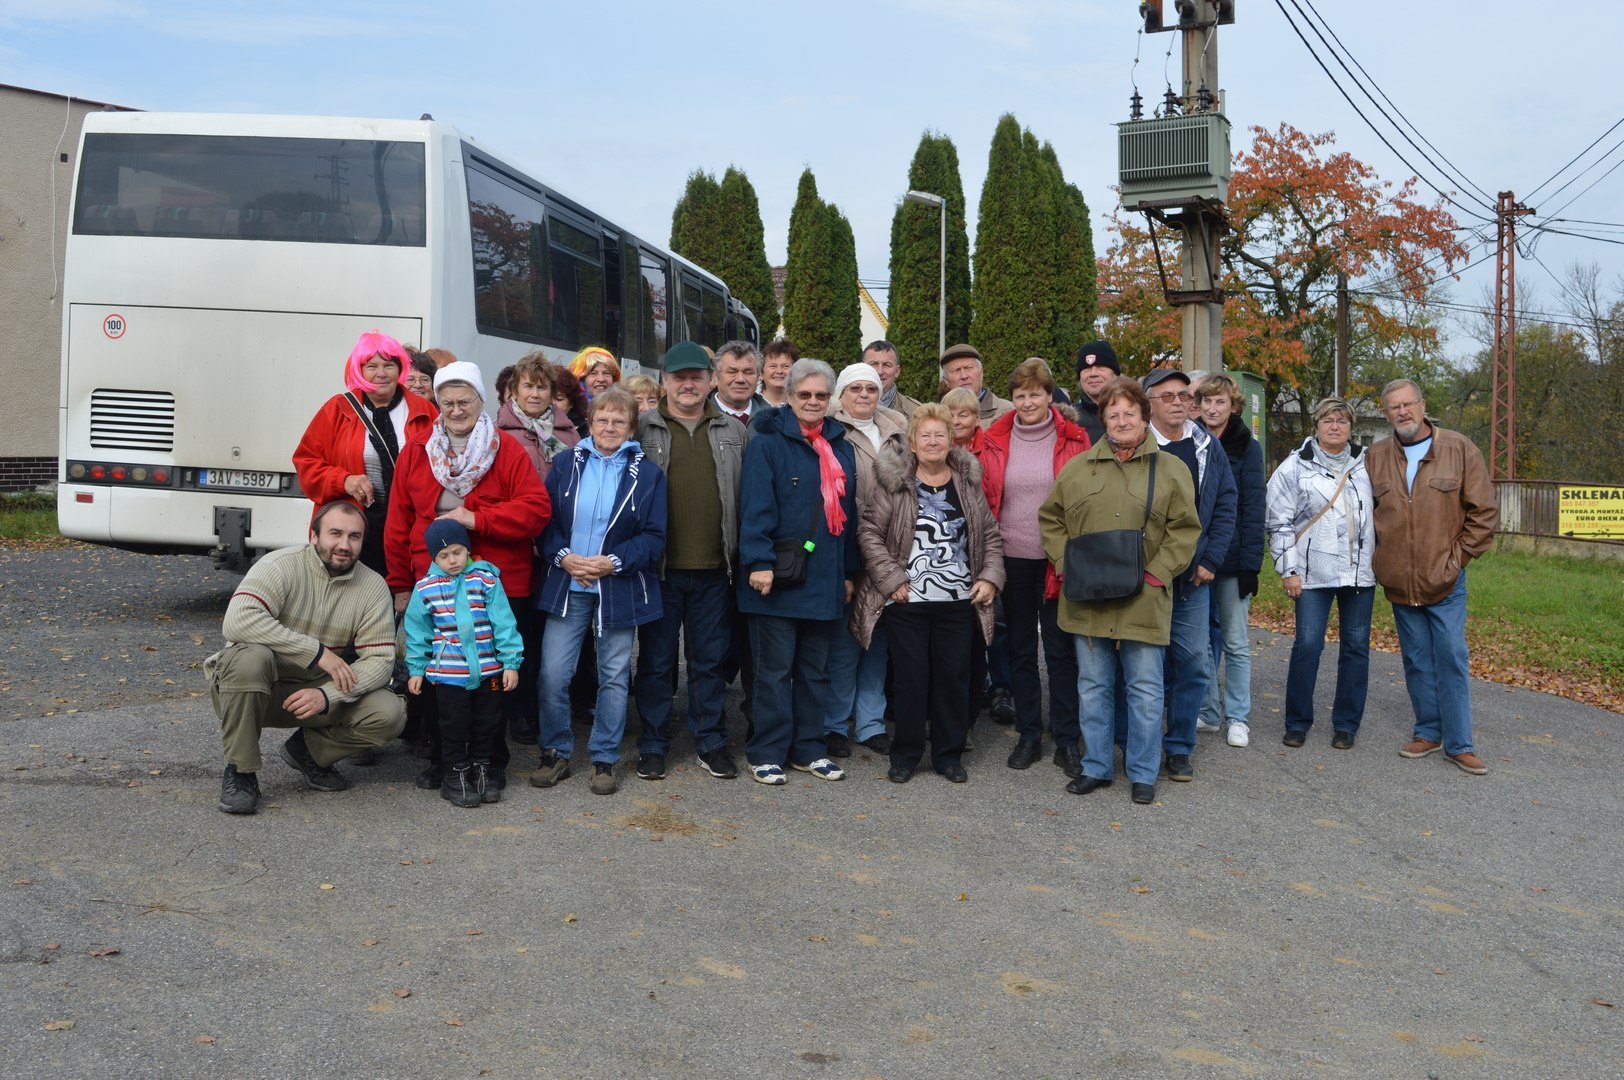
1593 513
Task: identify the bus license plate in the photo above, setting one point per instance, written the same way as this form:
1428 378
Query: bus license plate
237 478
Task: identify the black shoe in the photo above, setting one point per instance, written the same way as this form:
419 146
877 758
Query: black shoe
1084 784
1026 752
1070 760
955 774
1342 740
899 774
1144 793
458 787
719 763
320 777
880 744
1001 705
429 779
1294 738
239 791
651 766
838 744
524 730
489 782
1179 769
366 757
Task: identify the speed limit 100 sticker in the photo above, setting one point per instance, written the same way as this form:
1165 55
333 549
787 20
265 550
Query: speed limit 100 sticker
114 326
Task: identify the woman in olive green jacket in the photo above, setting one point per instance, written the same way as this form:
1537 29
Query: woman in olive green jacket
1099 490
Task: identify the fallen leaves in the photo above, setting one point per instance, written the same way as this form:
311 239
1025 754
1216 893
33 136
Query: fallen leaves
206 1040
59 1025
570 917
328 886
404 992
106 950
1603 1002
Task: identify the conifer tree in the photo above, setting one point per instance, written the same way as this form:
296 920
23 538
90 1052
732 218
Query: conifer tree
745 267
915 267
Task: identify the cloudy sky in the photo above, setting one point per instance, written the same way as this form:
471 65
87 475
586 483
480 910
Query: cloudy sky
619 101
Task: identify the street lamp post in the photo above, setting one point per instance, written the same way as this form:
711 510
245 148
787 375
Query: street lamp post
925 198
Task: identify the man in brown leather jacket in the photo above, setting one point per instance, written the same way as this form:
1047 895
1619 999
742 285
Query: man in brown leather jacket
1435 512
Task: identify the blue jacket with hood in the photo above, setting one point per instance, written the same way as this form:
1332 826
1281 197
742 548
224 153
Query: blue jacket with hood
634 540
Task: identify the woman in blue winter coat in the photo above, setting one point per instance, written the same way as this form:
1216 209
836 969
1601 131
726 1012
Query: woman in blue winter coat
1219 401
798 484
601 549
1322 530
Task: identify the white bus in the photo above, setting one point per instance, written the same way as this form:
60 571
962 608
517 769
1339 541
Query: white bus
220 268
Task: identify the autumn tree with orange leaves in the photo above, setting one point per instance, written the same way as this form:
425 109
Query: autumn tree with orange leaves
1299 212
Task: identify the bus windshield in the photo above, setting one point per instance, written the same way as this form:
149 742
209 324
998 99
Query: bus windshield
333 191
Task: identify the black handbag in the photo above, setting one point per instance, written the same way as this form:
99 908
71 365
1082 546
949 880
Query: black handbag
1109 565
790 554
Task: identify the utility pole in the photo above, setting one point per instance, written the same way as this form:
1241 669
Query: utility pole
1175 168
1503 397
1340 382
1203 329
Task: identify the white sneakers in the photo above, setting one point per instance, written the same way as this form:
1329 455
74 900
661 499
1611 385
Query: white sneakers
1239 735
768 774
822 768
1202 725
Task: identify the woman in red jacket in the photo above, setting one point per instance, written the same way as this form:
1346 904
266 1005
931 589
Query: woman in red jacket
349 451
1027 448
465 469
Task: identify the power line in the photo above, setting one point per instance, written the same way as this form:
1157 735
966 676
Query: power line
1374 129
1593 183
1459 173
1575 158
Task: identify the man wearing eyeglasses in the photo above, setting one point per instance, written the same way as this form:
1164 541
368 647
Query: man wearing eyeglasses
1189 655
1435 512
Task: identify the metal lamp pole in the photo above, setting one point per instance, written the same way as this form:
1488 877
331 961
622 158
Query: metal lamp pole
925 198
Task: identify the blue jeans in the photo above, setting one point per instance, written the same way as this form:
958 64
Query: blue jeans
1189 667
792 688
1432 641
1231 650
998 649
1353 607
857 683
560 647
1101 662
698 610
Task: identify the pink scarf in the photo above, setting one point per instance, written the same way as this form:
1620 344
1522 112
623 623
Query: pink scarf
831 478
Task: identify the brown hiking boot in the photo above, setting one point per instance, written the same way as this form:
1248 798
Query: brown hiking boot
1418 748
1469 762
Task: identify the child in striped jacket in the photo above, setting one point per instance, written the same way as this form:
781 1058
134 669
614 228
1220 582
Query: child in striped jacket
461 637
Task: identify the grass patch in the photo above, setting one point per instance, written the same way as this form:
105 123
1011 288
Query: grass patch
1543 622
27 515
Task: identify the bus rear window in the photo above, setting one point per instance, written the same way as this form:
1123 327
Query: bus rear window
328 191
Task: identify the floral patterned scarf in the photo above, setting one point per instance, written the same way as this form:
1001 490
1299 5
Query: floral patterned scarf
461 473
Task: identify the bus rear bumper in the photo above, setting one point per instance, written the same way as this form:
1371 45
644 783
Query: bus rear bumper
178 522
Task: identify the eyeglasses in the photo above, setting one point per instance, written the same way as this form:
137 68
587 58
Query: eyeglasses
811 395
1402 406
1170 396
453 406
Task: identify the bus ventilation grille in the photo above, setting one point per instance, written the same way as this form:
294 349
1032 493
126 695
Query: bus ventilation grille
132 420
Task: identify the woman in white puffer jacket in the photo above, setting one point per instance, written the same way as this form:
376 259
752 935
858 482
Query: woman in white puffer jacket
1322 534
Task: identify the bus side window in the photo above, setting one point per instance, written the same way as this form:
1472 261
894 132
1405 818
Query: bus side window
575 291
631 313
611 295
655 316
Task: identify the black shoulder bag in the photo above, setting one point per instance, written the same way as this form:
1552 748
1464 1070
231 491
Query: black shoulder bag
1109 565
790 554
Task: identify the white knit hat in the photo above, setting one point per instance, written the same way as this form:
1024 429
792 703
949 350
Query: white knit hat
858 372
463 371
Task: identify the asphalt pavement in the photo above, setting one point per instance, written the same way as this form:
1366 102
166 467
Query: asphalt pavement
1290 913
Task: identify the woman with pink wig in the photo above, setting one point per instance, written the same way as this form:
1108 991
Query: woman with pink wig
349 449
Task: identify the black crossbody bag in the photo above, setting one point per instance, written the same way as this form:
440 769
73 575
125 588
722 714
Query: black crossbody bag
790 554
1109 565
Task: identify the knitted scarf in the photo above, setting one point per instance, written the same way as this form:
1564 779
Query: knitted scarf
831 478
542 427
1124 451
460 473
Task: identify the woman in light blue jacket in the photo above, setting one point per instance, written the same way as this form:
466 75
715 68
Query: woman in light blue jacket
1322 533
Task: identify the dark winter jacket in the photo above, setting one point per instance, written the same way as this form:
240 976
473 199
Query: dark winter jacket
1214 497
1246 461
779 496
